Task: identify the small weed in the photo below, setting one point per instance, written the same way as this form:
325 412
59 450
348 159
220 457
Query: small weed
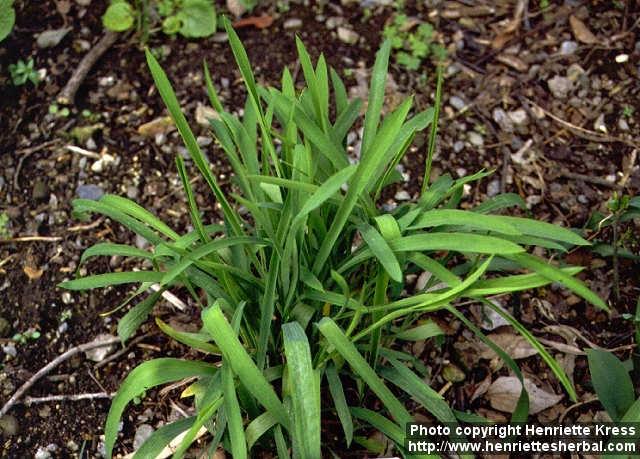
58 112
21 72
29 335
412 45
627 111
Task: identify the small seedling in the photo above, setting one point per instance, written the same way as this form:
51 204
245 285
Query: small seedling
21 72
29 335
58 112
189 18
412 45
627 111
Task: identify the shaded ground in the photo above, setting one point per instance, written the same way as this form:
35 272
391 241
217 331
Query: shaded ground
560 127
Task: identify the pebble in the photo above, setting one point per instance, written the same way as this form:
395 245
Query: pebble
461 171
333 22
204 114
402 195
67 298
493 188
574 72
10 350
347 36
292 23
132 192
503 120
141 242
458 146
51 38
98 354
107 81
143 432
42 453
104 163
204 141
92 192
623 125
476 139
599 125
457 102
518 117
560 86
568 47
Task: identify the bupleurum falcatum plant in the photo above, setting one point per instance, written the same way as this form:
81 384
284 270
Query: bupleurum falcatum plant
304 293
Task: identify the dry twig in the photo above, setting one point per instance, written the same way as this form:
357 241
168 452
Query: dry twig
50 366
64 398
68 93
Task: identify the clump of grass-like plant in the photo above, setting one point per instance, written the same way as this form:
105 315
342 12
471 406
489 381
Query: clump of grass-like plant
306 293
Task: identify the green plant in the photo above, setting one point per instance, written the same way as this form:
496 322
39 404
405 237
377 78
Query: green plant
7 18
412 45
627 111
306 292
29 335
190 18
5 233
21 72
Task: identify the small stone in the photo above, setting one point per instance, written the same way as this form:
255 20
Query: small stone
143 432
8 426
292 23
103 163
204 114
457 102
623 125
42 453
458 146
5 327
503 120
98 354
402 195
574 72
568 47
476 139
132 192
92 192
44 412
72 446
560 86
204 141
493 188
518 117
40 190
141 242
51 38
10 350
461 171
220 37
348 36
599 125
107 81
333 22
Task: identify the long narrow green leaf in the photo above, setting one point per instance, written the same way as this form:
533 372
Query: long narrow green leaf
381 251
459 242
110 249
340 402
556 275
306 406
216 324
348 351
145 376
543 229
376 96
135 210
160 438
440 217
136 316
234 415
103 280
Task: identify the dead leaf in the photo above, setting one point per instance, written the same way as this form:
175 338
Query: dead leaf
33 273
581 31
259 22
504 393
161 125
512 26
515 345
513 62
481 388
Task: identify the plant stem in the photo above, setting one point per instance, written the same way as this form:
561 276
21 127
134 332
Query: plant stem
434 128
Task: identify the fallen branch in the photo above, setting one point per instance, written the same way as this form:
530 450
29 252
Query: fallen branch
31 239
66 398
68 93
50 366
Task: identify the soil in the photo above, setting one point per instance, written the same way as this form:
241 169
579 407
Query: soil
570 174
